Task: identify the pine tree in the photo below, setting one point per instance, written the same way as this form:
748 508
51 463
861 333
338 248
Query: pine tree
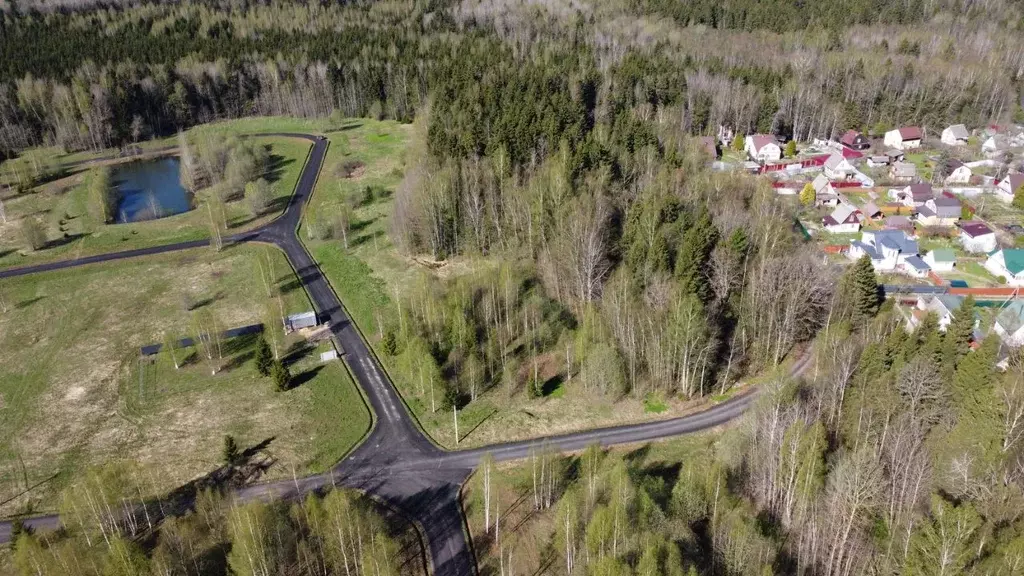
232 456
264 357
282 377
790 149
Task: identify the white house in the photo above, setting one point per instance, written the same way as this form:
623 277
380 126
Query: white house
889 251
903 138
941 259
959 173
838 168
1009 324
1008 186
824 193
763 148
995 145
977 237
1009 264
955 135
943 306
845 219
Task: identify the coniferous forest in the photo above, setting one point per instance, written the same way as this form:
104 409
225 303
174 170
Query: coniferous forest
555 138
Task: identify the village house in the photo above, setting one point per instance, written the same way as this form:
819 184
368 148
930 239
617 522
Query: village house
895 155
845 219
902 171
877 161
899 223
915 195
855 140
955 135
838 168
940 210
944 307
904 138
870 210
824 193
958 172
1007 263
763 148
995 145
1009 324
977 237
941 259
889 251
1008 186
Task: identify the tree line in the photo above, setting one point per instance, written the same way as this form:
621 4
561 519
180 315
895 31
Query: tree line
109 528
89 79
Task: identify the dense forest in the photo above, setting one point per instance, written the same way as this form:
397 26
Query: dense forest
124 71
894 453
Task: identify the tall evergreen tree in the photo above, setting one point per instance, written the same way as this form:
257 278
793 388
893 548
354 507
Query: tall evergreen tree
698 242
860 290
264 357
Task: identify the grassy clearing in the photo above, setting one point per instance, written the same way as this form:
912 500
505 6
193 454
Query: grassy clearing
61 207
74 392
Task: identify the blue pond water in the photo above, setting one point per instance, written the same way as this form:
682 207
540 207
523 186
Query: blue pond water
149 189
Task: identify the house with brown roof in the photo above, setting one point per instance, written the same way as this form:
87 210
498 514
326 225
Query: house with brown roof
1008 186
958 172
915 195
904 138
977 237
763 148
855 140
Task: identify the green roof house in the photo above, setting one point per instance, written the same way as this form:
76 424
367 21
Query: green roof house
1010 324
1009 264
941 259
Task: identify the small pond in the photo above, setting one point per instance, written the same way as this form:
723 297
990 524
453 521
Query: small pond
149 189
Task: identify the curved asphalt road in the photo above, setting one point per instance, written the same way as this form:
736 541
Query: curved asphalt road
396 462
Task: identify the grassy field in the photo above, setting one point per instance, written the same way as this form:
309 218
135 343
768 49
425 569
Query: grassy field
61 206
532 531
74 391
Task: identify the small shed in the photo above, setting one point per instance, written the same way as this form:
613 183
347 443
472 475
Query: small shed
295 322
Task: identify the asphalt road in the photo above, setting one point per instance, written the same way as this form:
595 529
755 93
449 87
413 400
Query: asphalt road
396 462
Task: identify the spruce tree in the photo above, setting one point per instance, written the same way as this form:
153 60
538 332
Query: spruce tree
862 291
957 340
264 357
282 377
232 455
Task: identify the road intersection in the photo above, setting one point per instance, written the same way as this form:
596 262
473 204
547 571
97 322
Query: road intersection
396 462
